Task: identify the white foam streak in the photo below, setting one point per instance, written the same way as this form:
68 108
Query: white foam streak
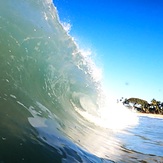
114 116
95 71
66 26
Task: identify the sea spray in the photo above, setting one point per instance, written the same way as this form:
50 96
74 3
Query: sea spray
112 115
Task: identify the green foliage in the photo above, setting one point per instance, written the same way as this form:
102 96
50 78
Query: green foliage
155 107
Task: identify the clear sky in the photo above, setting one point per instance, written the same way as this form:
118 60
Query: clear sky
127 38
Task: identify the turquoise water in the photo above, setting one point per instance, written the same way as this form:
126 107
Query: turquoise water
52 105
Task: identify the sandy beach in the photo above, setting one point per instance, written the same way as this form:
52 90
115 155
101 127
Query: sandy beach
150 115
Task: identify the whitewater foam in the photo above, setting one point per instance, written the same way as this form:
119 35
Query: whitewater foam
114 115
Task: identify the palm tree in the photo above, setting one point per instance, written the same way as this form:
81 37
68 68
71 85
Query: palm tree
161 107
156 105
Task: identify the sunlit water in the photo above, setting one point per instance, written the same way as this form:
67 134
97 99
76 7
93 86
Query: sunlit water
51 101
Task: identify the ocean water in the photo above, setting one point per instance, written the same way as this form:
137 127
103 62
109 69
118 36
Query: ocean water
52 104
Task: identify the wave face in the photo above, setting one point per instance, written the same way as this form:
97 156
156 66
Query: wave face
50 98
43 77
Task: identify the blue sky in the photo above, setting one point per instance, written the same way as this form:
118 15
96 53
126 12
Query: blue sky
127 38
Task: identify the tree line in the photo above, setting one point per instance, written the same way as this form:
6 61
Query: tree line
154 107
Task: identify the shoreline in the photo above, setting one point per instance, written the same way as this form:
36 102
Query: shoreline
150 115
